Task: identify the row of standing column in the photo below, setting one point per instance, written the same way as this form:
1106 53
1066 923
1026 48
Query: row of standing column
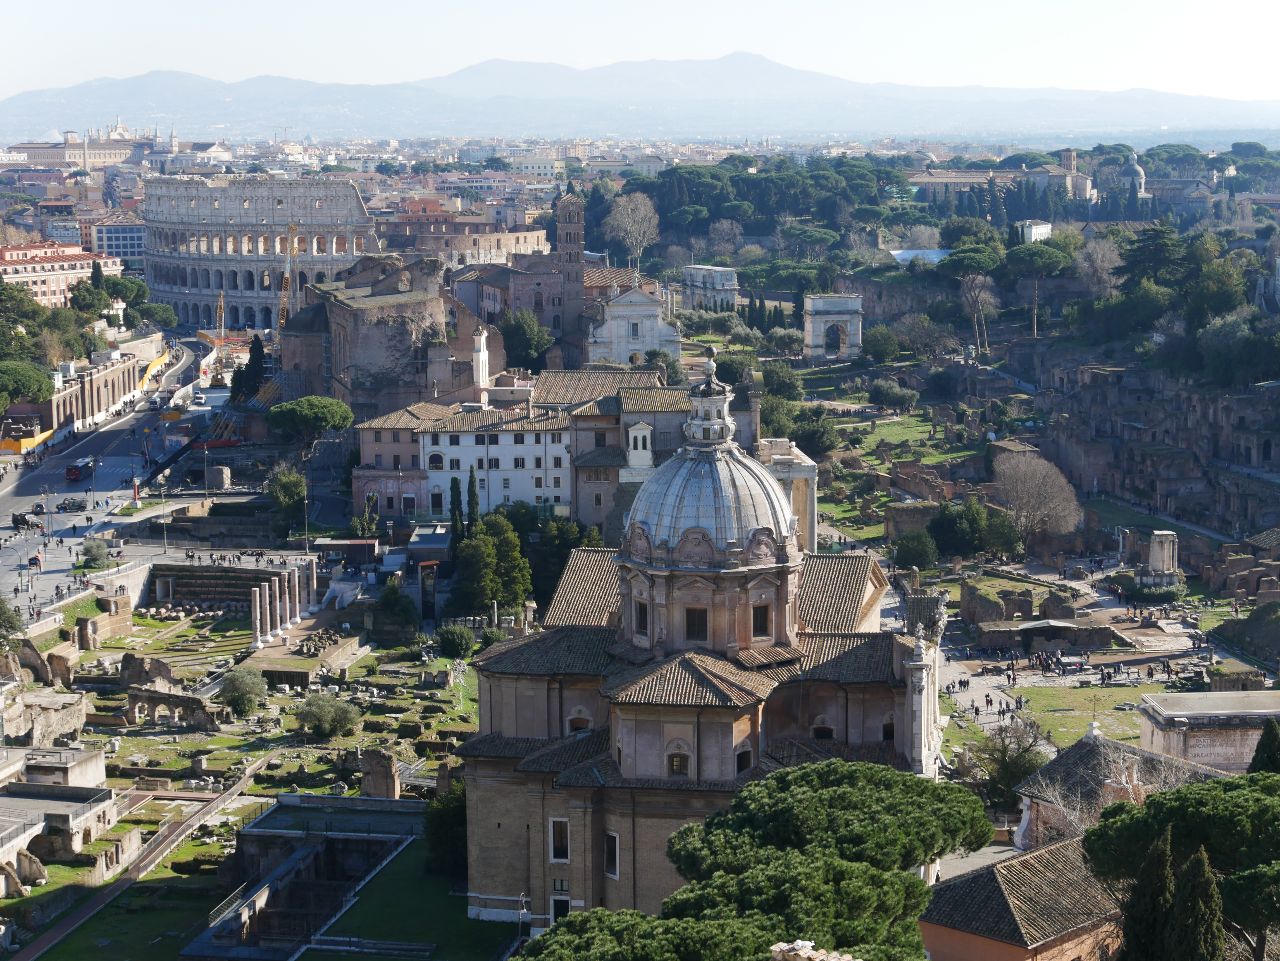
276 604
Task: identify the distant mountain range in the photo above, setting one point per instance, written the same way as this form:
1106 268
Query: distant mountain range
737 96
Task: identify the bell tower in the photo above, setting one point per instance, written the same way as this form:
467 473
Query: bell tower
570 224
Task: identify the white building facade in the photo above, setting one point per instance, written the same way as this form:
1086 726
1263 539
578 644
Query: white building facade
518 454
627 326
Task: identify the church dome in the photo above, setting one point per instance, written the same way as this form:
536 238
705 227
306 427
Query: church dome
1132 170
711 502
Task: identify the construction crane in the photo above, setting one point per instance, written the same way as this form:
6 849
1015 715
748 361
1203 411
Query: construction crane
283 313
218 378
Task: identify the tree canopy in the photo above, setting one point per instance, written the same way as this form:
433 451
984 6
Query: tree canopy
307 418
828 849
525 339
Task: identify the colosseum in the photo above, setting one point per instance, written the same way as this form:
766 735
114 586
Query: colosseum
227 235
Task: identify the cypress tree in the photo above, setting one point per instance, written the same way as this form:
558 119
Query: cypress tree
96 278
473 502
1131 207
455 516
1266 756
1195 924
1146 914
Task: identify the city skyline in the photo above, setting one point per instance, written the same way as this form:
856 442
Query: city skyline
1101 46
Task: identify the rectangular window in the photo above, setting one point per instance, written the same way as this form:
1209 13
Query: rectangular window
493 439
391 502
517 438
537 483
642 617
537 438
760 620
480 484
537 499
557 462
395 461
695 623
395 437
493 463
599 500
556 499
435 440
537 463
454 440
611 855
518 463
635 330
377 460
480 441
413 460
506 483
555 438
555 481
377 437
601 440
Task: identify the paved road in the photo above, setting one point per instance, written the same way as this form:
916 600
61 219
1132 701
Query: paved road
118 445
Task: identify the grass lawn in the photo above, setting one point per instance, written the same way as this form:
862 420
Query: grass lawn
129 510
955 737
1065 712
152 921
402 903
1112 514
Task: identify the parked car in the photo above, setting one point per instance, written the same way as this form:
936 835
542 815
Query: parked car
73 504
37 508
198 398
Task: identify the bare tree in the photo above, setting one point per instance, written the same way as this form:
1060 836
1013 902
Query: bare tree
51 348
923 337
1039 497
676 256
725 237
923 237
1096 265
978 294
632 222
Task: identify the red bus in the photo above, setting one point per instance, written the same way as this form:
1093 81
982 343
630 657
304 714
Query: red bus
80 470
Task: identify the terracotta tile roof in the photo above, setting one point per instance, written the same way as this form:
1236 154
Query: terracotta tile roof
1077 774
790 751
610 456
691 679
604 772
498 419
499 746
561 650
600 407
566 752
595 276
832 588
1025 900
409 418
566 388
1265 540
587 594
668 399
852 658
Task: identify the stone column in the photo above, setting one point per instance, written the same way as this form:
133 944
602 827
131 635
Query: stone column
269 626
255 614
281 610
295 592
313 588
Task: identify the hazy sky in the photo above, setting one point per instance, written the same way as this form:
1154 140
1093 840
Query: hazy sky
1171 45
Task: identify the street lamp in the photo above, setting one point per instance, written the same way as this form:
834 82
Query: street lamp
164 514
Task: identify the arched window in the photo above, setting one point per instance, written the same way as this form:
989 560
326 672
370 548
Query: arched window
435 462
822 729
579 720
886 729
678 759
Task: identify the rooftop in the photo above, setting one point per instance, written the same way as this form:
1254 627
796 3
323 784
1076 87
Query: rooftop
1214 704
1025 900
